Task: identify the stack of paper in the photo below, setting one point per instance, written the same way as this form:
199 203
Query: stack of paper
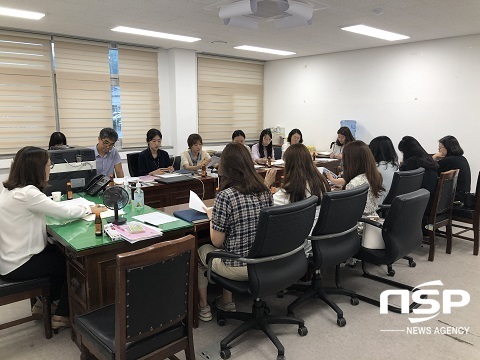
137 235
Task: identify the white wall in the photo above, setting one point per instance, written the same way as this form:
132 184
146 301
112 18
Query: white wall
427 90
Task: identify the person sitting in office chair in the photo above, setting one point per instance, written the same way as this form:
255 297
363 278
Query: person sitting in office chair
153 160
344 136
24 250
238 136
387 161
194 158
57 139
262 150
294 137
107 158
301 180
234 219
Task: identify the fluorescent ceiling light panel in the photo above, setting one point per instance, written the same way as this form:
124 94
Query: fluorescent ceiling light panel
377 33
129 30
21 13
264 50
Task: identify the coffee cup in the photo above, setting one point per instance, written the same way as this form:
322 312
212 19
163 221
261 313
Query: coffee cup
57 196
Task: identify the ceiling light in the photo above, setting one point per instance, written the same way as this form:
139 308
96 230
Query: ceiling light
129 30
264 50
21 13
377 33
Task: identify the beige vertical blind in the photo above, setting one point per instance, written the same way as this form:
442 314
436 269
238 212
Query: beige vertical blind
140 107
27 114
230 97
83 90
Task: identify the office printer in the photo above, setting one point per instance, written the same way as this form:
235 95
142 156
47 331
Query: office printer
73 164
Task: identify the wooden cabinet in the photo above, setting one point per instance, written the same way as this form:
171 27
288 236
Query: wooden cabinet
162 195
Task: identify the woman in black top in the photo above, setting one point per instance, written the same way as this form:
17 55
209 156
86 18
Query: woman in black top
414 157
449 157
152 160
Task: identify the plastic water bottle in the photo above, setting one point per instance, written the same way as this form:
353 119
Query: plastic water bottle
138 198
126 186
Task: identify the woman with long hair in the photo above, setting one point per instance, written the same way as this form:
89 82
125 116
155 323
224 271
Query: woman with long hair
360 168
449 157
387 161
301 180
344 136
262 150
233 224
24 250
414 157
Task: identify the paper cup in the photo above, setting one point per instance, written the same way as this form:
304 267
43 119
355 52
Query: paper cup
57 196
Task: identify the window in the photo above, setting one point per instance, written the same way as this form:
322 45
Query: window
140 106
27 111
230 97
83 90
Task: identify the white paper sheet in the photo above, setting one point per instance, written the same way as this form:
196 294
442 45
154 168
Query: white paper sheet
155 218
196 203
171 175
214 160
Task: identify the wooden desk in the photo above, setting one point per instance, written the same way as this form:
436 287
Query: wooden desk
161 195
91 259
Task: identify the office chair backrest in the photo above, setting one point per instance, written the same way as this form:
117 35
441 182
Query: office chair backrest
339 212
280 229
402 229
404 182
132 162
154 290
444 195
176 163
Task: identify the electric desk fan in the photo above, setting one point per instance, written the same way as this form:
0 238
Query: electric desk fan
116 198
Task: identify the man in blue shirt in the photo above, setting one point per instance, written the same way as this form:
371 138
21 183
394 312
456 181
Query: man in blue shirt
107 157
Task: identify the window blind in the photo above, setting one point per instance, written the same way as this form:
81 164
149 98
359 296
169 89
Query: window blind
83 90
140 106
27 113
230 97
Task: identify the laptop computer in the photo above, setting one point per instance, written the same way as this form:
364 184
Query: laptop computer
173 178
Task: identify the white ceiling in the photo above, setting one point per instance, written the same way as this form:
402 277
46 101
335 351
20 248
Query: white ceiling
419 19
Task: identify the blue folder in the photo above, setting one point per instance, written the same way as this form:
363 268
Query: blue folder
190 215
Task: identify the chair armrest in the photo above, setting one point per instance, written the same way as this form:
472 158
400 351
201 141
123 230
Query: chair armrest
217 254
331 236
371 222
384 206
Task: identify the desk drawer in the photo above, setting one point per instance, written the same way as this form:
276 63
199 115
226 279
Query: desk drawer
76 284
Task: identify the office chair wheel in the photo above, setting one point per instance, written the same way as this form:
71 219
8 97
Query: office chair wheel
302 331
354 301
391 272
266 310
225 354
280 294
222 322
412 263
341 322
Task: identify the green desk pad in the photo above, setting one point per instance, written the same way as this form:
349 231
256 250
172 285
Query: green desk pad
80 234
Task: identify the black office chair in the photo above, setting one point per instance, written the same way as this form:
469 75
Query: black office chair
13 291
334 240
275 261
402 234
403 182
277 152
132 162
153 312
176 163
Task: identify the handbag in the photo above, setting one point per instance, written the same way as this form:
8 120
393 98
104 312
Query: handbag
372 236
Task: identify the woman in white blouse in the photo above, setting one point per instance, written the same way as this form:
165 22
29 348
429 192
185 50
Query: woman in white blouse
24 251
294 137
262 150
302 179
